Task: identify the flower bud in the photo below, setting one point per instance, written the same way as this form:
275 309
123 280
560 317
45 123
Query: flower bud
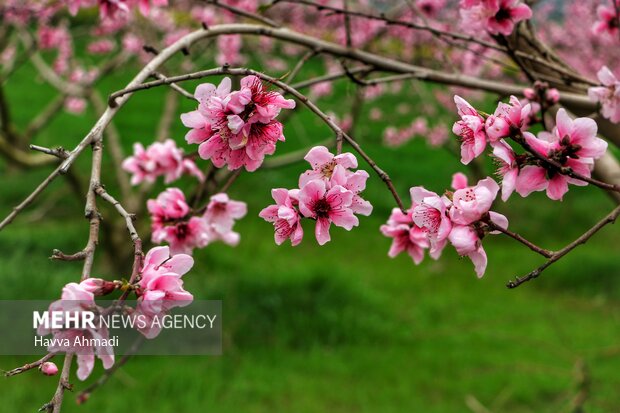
49 369
98 287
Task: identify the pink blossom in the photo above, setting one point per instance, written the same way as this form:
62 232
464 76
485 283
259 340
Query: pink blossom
76 298
406 235
506 119
471 131
220 217
75 105
170 222
466 239
577 137
608 94
284 216
159 159
431 213
98 287
102 46
356 183
573 144
459 181
229 47
327 207
49 369
321 89
323 163
161 285
508 168
470 204
495 16
112 9
467 243
607 20
236 128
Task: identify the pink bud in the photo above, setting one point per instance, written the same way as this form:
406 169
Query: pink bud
49 369
529 93
98 287
553 95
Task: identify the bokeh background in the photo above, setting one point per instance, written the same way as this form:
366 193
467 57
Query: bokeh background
339 328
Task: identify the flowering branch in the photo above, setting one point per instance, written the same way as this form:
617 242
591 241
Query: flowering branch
303 99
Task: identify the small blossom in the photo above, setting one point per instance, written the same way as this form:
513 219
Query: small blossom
327 207
161 286
285 216
77 298
608 94
220 217
431 213
470 204
607 20
507 118
406 235
159 159
323 163
471 131
495 16
508 168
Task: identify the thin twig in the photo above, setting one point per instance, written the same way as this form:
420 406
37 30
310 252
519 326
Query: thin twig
545 253
29 366
58 152
609 219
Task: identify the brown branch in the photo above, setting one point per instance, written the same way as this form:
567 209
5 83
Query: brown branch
58 152
63 384
545 253
555 256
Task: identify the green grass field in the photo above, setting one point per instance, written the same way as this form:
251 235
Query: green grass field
339 328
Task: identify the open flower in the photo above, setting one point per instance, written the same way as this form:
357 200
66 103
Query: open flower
607 20
323 163
237 128
406 235
76 298
431 213
327 207
161 286
494 16
573 144
220 216
471 203
508 168
608 95
170 222
159 159
507 118
284 216
470 130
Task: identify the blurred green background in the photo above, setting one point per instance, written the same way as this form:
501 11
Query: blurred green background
339 328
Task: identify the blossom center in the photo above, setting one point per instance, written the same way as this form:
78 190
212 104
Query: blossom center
321 208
